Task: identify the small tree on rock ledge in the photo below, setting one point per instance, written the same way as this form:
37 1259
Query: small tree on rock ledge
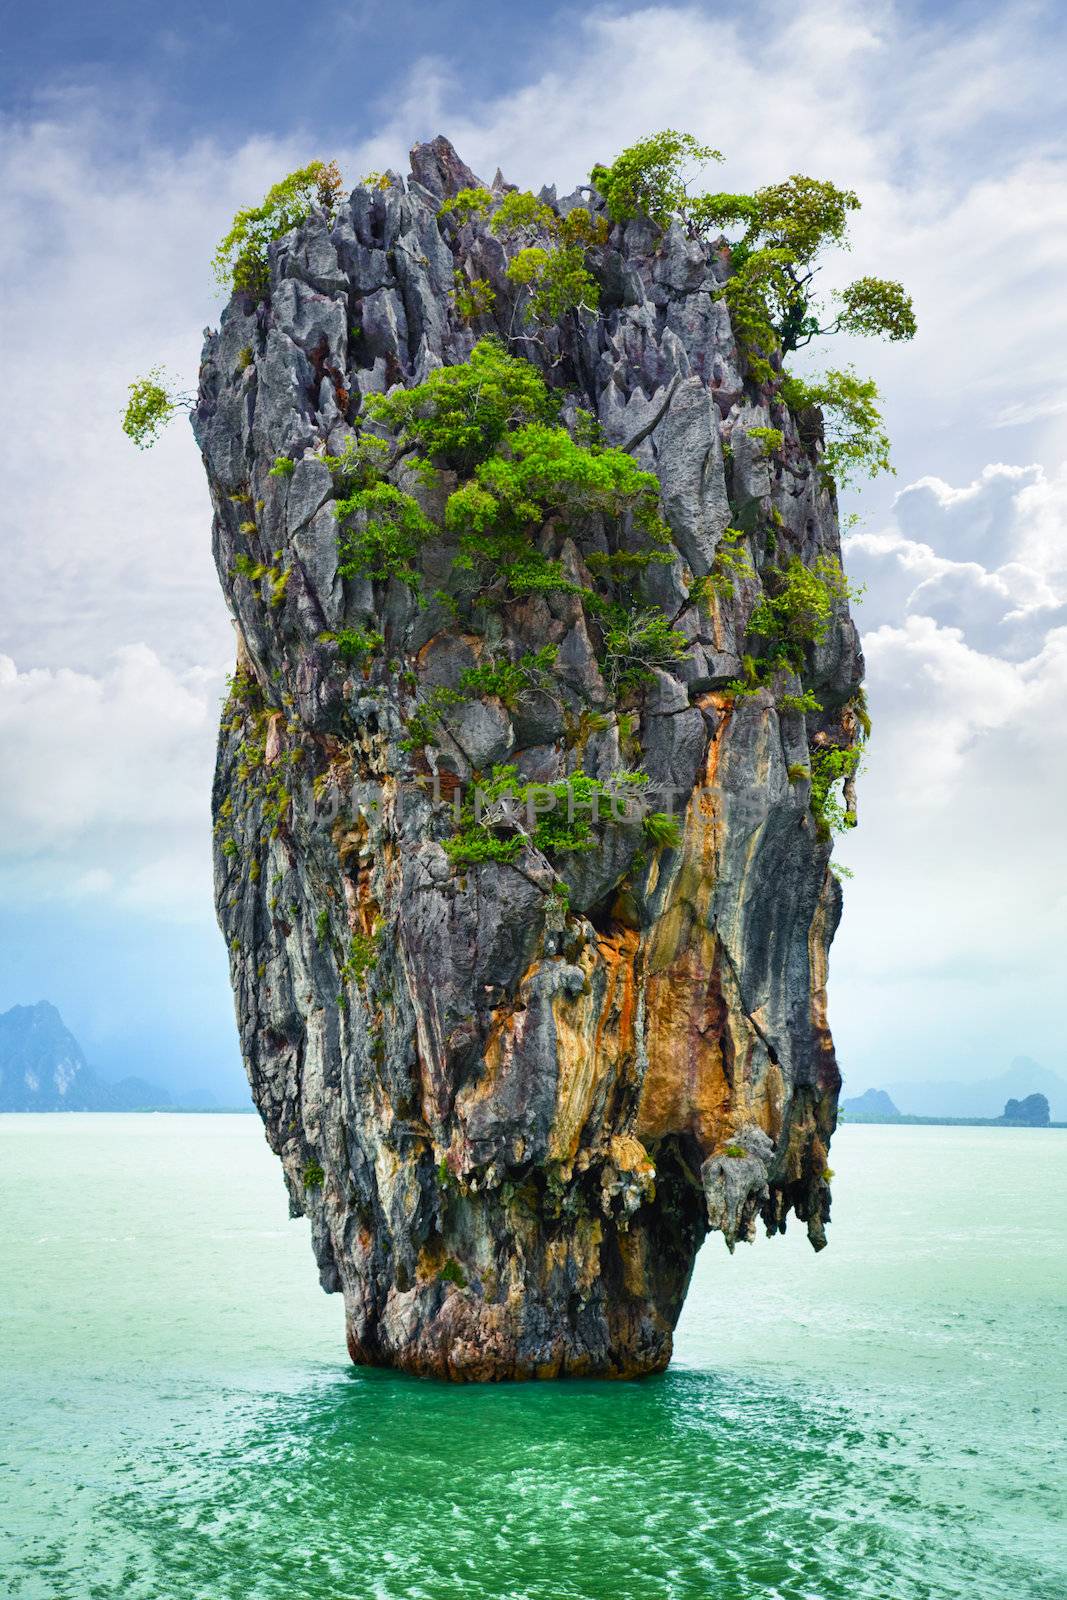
153 401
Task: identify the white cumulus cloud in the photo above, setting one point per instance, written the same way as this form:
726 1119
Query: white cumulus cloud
951 944
108 780
988 558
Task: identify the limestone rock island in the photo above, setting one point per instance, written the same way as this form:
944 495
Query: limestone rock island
526 776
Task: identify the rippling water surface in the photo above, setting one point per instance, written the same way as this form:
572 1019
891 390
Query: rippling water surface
179 1421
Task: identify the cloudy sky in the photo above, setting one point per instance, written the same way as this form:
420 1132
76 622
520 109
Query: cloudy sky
130 133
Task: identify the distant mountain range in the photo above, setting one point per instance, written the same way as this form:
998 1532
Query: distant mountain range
43 1068
985 1098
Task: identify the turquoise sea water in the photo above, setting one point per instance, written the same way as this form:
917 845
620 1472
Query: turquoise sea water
179 1420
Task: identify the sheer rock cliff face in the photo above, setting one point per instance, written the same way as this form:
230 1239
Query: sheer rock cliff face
512 1132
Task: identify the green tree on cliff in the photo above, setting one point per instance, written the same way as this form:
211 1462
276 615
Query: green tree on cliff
775 239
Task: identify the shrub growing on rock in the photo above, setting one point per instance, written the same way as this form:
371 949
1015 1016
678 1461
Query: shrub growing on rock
153 401
240 260
649 177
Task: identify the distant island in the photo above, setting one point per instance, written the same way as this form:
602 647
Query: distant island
1033 1112
982 1098
43 1068
875 1105
979 1100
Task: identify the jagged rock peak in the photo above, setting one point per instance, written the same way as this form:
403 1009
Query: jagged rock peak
439 169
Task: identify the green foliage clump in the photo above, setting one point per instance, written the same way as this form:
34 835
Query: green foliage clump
510 681
258 572
313 1176
243 689
486 829
730 566
153 401
798 606
503 815
494 421
240 260
587 431
799 704
559 281
389 530
539 472
623 564
424 720
576 811
759 295
543 472
322 925
555 271
276 800
362 957
460 413
833 774
661 830
252 751
558 904
466 204
360 464
830 767
473 297
494 418
284 467
735 1151
522 213
356 644
452 1272
754 673
649 177
784 229
856 440
769 439
876 308
799 215
635 641
794 611
581 227
245 567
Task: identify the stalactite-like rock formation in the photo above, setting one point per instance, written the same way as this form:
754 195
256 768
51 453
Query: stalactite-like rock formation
513 1114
